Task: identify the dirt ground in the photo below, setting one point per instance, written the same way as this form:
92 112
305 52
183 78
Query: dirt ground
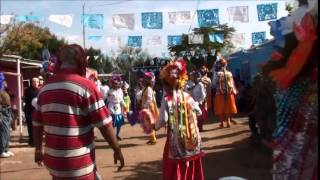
228 153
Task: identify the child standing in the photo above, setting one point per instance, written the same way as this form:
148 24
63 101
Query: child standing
116 103
199 95
126 99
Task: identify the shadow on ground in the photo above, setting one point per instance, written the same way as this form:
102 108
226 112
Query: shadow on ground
238 159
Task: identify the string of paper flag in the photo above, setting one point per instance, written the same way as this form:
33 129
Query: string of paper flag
154 20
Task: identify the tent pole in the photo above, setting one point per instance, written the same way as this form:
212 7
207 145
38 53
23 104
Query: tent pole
19 97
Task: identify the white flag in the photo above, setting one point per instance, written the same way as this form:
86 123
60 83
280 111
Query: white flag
154 40
64 20
74 39
113 41
238 13
6 19
180 17
123 21
195 38
238 39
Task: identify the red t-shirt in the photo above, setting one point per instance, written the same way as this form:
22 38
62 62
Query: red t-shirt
69 107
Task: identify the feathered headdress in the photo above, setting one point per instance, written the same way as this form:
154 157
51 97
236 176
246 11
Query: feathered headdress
175 74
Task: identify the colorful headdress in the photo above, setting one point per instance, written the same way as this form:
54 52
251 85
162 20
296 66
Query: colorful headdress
175 74
223 62
115 80
80 56
149 77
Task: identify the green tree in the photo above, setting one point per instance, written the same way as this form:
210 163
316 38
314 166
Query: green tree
207 46
98 61
28 41
128 57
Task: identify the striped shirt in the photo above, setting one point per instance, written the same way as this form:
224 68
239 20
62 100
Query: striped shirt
69 107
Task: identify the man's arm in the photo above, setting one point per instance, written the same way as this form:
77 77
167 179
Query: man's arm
109 135
38 140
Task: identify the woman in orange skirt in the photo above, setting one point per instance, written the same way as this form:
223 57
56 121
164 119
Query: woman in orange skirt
225 105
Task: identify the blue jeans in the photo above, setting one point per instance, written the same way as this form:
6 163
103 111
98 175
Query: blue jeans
5 124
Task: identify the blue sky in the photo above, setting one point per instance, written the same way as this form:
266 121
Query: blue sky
43 9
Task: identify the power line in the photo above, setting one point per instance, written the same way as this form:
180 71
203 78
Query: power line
109 4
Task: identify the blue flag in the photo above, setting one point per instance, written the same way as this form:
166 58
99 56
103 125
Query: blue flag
174 40
95 38
151 20
27 18
94 21
208 17
135 41
216 37
267 11
258 37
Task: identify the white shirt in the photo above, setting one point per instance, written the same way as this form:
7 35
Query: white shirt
199 93
115 100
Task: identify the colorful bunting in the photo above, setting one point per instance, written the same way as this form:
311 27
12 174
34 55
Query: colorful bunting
276 32
174 40
151 20
195 38
123 21
27 18
238 14
258 37
180 17
208 17
94 21
267 11
216 37
62 19
135 41
6 19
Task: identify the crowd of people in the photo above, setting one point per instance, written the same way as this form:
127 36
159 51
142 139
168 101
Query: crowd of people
62 112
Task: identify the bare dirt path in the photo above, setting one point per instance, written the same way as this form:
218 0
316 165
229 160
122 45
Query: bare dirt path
228 153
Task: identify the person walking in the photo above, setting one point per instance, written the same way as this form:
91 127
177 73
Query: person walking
29 94
116 103
149 110
68 108
225 105
5 120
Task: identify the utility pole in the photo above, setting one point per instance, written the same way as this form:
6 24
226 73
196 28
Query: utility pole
0 16
83 27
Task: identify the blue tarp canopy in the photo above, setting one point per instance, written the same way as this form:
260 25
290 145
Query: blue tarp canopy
245 64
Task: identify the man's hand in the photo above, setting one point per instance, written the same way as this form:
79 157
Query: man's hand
38 157
117 156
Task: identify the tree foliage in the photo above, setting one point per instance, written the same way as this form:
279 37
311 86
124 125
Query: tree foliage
207 44
28 40
203 52
99 61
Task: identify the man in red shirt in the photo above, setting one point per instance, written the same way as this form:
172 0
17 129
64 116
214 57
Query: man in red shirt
69 106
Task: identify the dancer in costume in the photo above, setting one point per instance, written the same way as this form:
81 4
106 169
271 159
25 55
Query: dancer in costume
149 111
294 69
199 95
133 117
126 99
115 103
225 104
182 157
